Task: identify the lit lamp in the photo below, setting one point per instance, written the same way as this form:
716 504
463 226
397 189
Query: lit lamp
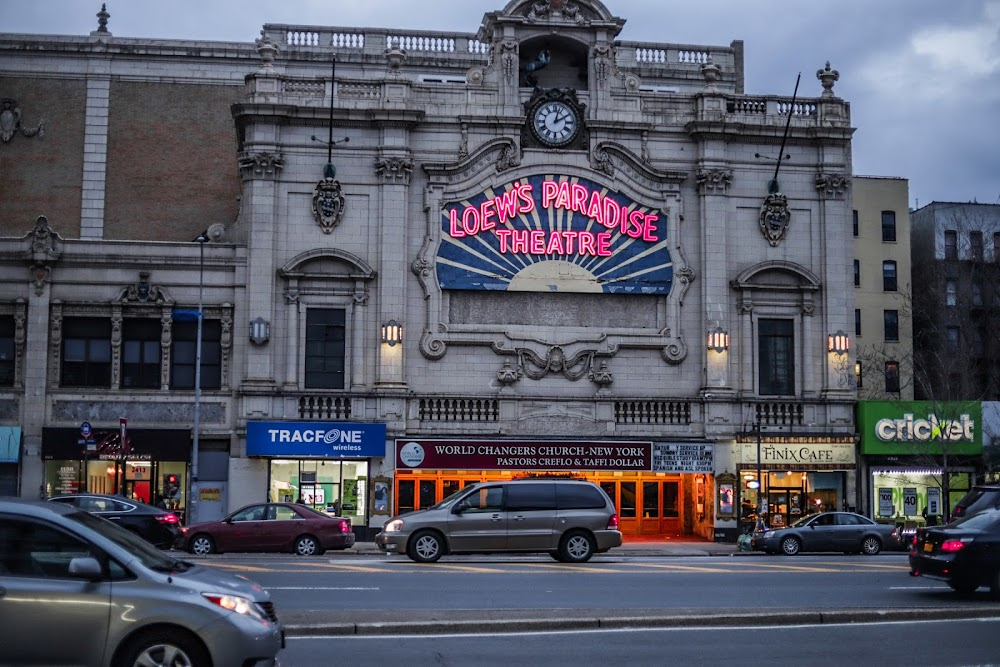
718 339
838 343
392 333
260 331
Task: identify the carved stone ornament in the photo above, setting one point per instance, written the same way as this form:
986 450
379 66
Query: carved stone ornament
328 204
394 169
827 77
714 181
508 374
267 50
257 165
774 218
394 56
556 362
10 121
509 158
143 291
602 377
832 185
555 10
603 57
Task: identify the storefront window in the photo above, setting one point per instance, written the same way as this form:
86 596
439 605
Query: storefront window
337 487
915 495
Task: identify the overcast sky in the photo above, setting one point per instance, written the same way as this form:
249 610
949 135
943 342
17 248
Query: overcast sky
922 76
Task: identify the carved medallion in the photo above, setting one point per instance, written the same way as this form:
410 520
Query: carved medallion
774 218
328 204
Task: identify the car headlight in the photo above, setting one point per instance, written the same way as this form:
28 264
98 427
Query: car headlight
769 533
236 604
393 526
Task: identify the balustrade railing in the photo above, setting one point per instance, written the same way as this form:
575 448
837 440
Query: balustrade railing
653 412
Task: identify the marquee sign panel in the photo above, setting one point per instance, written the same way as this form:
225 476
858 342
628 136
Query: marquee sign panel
550 233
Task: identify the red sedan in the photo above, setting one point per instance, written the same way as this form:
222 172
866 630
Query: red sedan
269 527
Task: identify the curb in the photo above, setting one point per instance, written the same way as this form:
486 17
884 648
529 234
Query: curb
758 619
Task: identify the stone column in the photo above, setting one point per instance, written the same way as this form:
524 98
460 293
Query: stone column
292 337
838 292
713 184
394 168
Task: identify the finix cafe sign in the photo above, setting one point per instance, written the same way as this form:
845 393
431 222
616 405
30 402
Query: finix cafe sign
554 234
920 427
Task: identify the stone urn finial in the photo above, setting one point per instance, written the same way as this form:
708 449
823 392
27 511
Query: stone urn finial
102 19
395 55
711 72
267 50
827 77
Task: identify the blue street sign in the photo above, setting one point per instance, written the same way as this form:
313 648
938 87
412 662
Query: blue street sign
185 314
85 429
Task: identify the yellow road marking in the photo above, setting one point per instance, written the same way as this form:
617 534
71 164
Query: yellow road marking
682 568
794 568
237 568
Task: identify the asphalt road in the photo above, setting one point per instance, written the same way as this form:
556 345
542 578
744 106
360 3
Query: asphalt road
345 589
909 644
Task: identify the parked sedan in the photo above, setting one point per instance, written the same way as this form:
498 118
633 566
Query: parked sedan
829 531
157 526
269 527
966 554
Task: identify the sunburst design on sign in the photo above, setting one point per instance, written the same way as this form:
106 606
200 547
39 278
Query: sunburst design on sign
548 233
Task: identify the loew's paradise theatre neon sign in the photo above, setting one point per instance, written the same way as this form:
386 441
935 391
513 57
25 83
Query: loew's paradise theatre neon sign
560 234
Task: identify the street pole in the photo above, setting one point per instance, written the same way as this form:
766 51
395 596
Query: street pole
760 483
192 514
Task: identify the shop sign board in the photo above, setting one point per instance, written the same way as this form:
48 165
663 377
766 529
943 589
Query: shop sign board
339 439
521 455
885 505
920 427
554 233
799 456
683 457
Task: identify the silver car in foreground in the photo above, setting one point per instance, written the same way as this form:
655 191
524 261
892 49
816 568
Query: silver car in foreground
569 519
76 589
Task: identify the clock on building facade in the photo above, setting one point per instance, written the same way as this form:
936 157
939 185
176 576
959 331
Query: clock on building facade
554 119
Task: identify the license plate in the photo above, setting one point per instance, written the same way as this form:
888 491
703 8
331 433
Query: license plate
928 546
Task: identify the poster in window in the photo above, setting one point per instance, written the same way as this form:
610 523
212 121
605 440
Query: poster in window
909 501
885 505
381 497
933 501
726 492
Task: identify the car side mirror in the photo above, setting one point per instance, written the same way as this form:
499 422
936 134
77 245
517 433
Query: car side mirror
461 507
85 567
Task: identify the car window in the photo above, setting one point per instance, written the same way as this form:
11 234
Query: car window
488 499
579 497
119 506
137 547
825 520
32 549
982 521
531 497
254 513
847 520
67 500
283 513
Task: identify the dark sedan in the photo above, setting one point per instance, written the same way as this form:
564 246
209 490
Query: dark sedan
158 527
829 531
269 527
965 554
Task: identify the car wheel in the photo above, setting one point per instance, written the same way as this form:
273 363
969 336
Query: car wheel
791 546
556 556
163 647
425 547
871 545
202 545
576 547
307 545
963 586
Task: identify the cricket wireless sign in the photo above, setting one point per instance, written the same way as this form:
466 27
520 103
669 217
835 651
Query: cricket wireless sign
522 455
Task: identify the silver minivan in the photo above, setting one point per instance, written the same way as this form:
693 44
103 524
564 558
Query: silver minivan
569 519
76 589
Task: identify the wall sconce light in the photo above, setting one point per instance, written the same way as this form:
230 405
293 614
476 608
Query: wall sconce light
838 343
392 333
718 339
260 331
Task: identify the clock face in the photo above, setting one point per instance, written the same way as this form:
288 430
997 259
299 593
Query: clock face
555 123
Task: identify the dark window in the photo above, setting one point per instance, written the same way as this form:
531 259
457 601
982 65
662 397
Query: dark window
485 499
528 497
670 497
951 292
7 351
650 500
777 362
977 291
889 276
857 321
996 246
892 377
888 226
183 355
857 273
86 352
954 334
891 318
325 348
951 244
29 549
855 222
857 374
976 246
627 510
141 354
579 497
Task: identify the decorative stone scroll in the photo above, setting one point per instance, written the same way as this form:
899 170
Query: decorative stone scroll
714 181
774 218
10 122
832 185
328 204
260 165
394 169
